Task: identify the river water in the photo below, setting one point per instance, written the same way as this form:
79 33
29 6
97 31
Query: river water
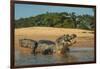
75 55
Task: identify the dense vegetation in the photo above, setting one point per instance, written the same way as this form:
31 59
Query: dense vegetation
64 20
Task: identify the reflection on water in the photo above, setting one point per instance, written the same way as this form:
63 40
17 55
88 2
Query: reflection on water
75 55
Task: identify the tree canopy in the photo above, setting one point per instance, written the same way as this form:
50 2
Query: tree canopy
63 20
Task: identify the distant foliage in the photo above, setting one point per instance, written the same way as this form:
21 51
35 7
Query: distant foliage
63 20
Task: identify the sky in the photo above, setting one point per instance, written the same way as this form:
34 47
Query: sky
27 10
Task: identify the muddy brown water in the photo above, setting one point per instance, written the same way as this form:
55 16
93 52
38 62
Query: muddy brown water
75 55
